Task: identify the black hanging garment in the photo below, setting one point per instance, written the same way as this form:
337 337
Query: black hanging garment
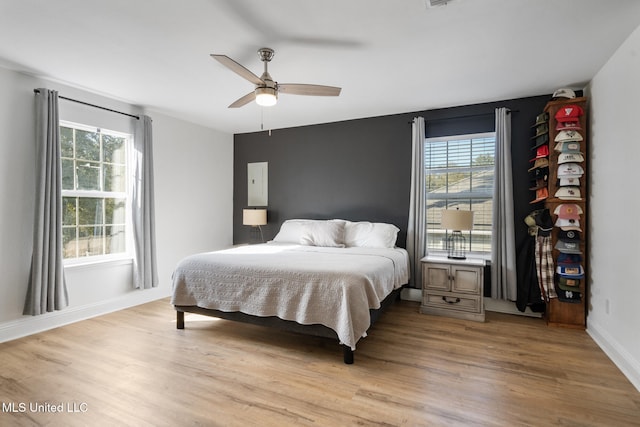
535 277
528 289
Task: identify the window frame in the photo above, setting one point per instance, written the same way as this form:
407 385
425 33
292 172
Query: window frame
469 196
127 254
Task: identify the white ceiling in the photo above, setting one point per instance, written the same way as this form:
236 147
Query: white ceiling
389 56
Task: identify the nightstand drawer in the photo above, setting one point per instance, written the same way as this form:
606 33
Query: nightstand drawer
450 301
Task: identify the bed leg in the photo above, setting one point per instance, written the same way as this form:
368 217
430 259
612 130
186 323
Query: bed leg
180 319
347 354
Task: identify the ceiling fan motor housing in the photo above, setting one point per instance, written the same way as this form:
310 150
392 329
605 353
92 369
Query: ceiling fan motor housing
265 54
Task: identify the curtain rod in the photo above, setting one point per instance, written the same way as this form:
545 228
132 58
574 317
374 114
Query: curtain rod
466 116
94 106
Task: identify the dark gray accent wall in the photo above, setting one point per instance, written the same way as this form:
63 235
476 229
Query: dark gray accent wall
360 169
356 170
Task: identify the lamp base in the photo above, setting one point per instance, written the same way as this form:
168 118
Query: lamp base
256 235
456 244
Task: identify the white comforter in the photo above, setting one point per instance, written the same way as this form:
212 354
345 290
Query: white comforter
334 287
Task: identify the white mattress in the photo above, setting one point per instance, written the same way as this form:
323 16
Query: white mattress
334 287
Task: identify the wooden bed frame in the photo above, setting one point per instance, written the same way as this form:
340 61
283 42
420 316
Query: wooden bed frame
287 325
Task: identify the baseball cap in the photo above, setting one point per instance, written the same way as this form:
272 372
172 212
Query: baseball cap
568 193
539 173
570 158
568 296
537 184
565 258
568 147
569 113
571 271
542 151
569 283
568 211
543 221
568 126
568 135
541 194
568 248
541 118
540 163
570 170
542 139
569 235
568 224
541 130
572 289
565 181
564 93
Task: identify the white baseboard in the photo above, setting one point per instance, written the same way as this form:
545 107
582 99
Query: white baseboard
28 325
618 355
508 307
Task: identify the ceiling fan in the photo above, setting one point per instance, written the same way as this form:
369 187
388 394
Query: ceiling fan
266 91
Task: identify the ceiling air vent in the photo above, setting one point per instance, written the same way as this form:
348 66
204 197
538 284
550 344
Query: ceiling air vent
434 3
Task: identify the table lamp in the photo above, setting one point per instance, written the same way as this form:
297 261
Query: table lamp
255 218
456 221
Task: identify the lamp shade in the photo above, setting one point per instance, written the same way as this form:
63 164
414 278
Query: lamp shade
457 220
254 217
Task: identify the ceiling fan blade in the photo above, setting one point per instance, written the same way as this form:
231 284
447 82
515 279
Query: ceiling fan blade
244 100
237 68
312 90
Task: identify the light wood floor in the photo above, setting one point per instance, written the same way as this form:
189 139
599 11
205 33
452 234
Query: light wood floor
134 368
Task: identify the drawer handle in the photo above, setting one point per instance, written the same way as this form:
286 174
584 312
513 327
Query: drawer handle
450 302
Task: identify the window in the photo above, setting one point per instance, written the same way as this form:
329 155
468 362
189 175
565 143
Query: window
459 174
94 192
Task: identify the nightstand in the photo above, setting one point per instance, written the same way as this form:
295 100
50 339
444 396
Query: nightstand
453 287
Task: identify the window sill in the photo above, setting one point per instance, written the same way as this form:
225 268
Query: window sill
100 263
477 255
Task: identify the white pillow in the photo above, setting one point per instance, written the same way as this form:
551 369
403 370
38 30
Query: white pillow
324 233
290 231
370 234
312 232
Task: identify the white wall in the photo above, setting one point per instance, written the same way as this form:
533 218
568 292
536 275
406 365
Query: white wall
194 191
614 206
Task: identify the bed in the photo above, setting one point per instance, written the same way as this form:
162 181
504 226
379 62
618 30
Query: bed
329 278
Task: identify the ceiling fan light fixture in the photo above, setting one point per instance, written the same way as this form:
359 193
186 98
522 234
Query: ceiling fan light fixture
266 96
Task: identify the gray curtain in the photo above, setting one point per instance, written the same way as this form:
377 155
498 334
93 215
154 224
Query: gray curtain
47 288
145 271
417 227
503 256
